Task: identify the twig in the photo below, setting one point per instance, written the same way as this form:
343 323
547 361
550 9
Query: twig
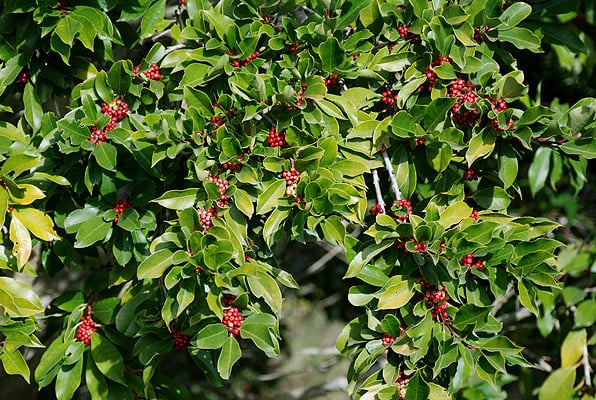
587 368
378 192
389 168
498 303
175 47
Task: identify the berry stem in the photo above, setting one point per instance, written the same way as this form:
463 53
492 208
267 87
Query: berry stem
389 168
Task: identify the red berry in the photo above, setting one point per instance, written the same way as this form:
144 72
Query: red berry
119 207
387 340
181 340
276 139
86 328
206 218
232 320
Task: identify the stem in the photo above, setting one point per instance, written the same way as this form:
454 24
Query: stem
587 368
389 168
378 192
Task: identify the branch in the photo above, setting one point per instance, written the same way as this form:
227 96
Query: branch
389 168
378 192
175 47
587 368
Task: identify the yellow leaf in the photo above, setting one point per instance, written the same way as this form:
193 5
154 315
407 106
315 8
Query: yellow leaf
21 240
37 222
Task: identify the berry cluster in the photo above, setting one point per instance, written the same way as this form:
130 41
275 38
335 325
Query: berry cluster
240 63
23 77
402 382
230 166
437 299
292 177
300 98
389 97
216 122
292 47
276 139
402 209
377 209
470 261
117 111
232 320
181 340
420 247
206 218
223 186
387 340
470 174
480 34
86 328
120 206
400 244
474 215
431 75
228 299
153 73
498 106
404 33
332 80
464 93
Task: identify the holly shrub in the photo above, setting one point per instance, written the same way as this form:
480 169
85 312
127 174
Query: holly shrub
160 150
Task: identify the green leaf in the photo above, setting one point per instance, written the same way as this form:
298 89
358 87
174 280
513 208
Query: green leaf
454 214
573 348
582 147
331 54
269 198
33 109
362 258
18 299
585 313
515 13
351 168
156 264
67 30
96 383
105 310
492 198
508 165
470 314
105 154
521 38
481 145
260 335
68 380
274 225
539 168
213 336
417 389
14 364
395 294
107 358
263 285
436 113
230 353
178 199
558 385
243 202
91 231
50 362
152 20
119 77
